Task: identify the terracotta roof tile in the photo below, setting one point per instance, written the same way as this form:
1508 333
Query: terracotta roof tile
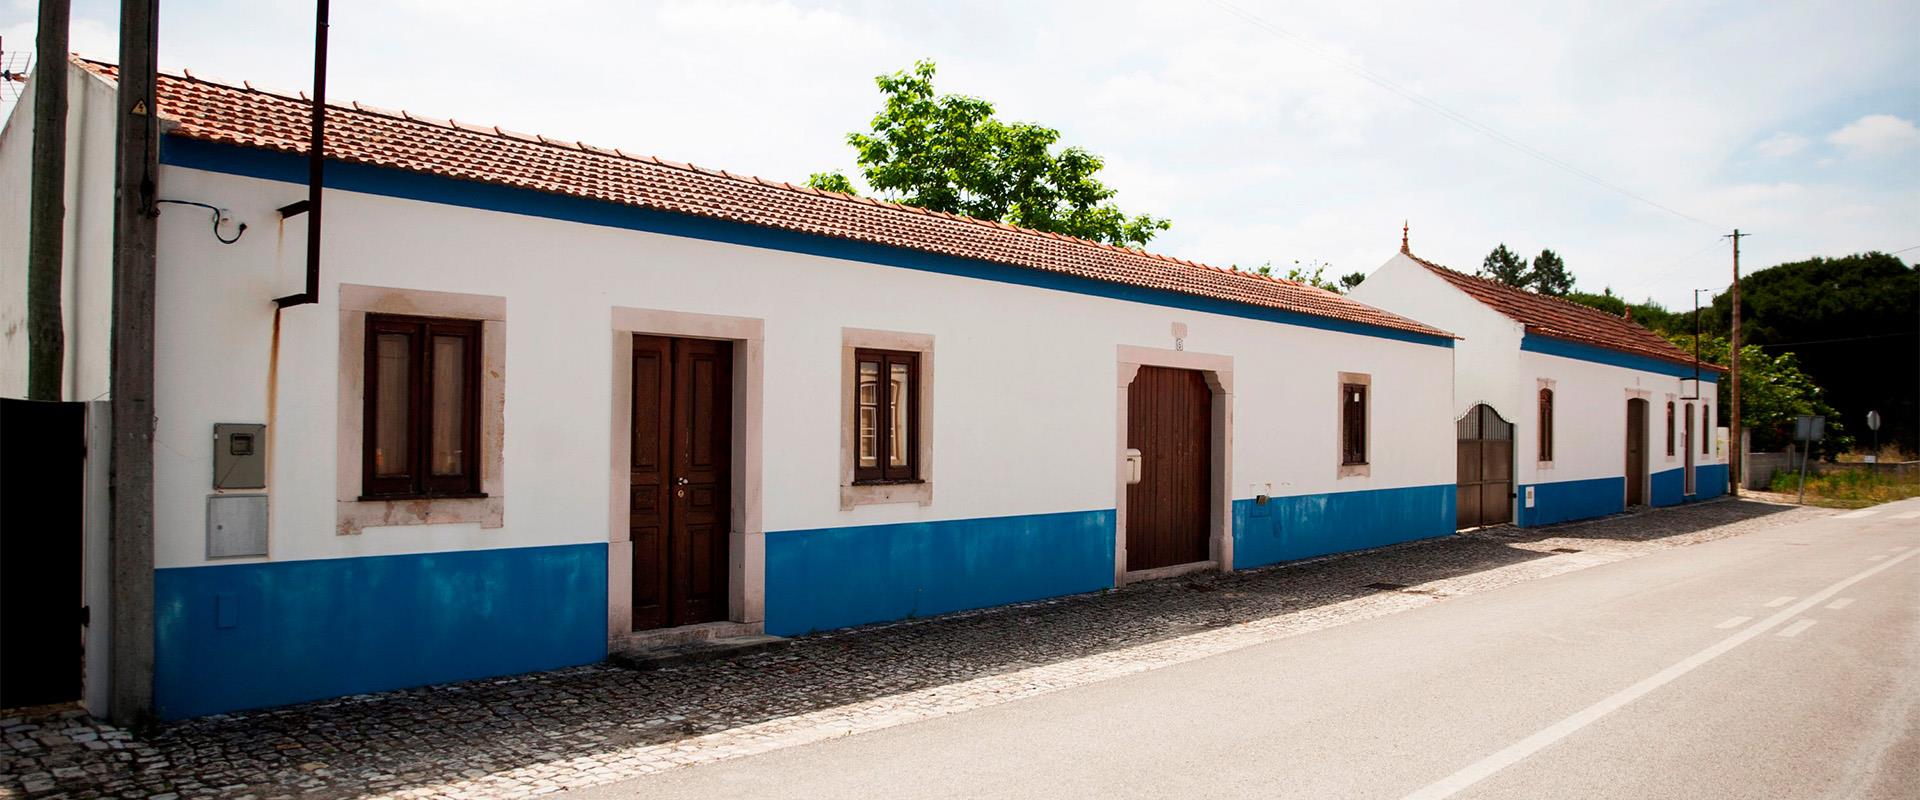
1564 319
237 114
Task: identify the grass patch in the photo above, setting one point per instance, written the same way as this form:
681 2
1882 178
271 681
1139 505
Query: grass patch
1849 488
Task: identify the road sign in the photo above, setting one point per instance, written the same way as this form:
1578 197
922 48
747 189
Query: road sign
1873 420
1810 427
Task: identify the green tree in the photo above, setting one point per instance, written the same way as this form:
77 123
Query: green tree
1549 275
947 152
1503 266
1350 280
1852 323
1773 390
1650 315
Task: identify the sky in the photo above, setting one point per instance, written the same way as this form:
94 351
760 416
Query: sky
1286 137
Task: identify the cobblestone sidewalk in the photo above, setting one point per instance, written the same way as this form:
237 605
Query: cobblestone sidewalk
547 732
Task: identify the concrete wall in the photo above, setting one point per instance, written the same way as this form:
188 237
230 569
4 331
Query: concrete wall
87 272
1024 434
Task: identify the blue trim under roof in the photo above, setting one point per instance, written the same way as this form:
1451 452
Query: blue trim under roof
1546 345
393 182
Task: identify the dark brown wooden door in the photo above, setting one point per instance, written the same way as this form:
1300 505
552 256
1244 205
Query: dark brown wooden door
1170 421
1483 491
1636 452
679 517
1687 445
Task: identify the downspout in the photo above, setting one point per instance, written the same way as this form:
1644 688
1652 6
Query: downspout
316 164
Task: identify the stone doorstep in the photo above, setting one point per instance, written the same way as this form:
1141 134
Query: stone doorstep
685 634
674 654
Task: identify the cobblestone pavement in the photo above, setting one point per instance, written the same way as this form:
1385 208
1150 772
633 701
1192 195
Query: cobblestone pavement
546 732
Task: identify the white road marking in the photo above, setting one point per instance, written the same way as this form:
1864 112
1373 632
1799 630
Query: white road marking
1876 557
1794 630
1865 512
1519 751
1840 603
1907 515
1734 622
1779 601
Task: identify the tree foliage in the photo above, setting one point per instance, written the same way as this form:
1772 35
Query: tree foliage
1503 266
1852 322
1549 275
1651 315
1312 274
1773 390
948 152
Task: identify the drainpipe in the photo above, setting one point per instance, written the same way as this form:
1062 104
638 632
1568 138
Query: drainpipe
316 164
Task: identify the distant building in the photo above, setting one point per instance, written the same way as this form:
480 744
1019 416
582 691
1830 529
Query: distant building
1564 412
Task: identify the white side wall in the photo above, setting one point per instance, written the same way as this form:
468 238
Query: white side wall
1487 369
1024 406
87 273
1590 416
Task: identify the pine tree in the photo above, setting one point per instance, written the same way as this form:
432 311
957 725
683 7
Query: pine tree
1549 275
1503 266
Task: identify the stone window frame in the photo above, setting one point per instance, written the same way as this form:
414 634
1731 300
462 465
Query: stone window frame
354 515
919 491
1364 469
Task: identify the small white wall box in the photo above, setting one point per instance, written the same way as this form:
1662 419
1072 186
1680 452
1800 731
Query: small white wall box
239 455
1529 497
236 525
1133 465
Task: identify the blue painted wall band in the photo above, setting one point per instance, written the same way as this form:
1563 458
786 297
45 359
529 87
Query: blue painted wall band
1305 526
830 578
1547 345
238 636
391 182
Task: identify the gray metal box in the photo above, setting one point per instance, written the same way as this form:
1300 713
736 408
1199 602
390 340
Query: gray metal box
239 456
236 525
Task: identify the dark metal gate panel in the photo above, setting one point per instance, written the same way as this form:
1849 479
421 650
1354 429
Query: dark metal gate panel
42 489
1483 491
1170 420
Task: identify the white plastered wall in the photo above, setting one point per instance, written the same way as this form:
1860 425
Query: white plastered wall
1486 363
1026 414
86 275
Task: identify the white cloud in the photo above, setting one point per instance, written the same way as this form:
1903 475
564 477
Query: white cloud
1781 145
1876 134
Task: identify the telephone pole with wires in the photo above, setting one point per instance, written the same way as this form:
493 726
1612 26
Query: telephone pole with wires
1733 355
47 203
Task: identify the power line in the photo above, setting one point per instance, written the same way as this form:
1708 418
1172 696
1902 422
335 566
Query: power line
1904 249
1432 105
1847 339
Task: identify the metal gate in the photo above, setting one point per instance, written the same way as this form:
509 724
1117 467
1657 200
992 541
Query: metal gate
42 491
1484 486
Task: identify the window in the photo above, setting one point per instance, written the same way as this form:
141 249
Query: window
1546 424
422 425
886 416
1706 429
1669 428
1353 424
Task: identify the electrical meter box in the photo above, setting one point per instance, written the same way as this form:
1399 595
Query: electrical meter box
239 455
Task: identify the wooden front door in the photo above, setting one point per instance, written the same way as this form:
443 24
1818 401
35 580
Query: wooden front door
1636 452
1483 490
1170 421
1686 444
681 492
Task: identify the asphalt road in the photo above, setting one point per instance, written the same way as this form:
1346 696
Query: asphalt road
1784 663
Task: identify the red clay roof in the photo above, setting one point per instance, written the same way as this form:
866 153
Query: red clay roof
1564 319
254 117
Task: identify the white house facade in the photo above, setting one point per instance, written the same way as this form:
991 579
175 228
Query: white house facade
1564 412
554 398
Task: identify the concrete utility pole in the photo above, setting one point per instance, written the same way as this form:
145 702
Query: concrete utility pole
1733 346
47 196
136 165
